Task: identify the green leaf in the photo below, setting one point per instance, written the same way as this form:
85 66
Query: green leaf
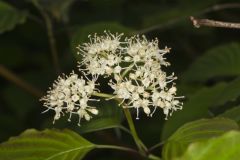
230 93
196 107
195 131
199 104
45 145
7 120
110 116
225 147
105 4
16 51
171 14
233 113
13 95
220 61
10 17
81 34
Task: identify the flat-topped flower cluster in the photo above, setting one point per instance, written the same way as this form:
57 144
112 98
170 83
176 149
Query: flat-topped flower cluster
135 69
70 94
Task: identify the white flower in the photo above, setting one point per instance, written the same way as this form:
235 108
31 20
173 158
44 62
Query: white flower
70 94
102 54
142 84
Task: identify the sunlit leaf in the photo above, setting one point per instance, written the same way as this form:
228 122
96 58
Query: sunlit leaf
45 145
225 147
195 131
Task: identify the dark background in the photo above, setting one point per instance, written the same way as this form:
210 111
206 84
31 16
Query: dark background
25 51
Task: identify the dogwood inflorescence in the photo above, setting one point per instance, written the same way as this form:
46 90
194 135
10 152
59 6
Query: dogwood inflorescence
70 94
134 68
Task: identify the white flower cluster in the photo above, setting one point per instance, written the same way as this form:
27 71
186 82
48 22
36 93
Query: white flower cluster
70 94
102 55
135 66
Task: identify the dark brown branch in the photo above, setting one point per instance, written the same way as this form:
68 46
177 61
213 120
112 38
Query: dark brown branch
10 76
212 23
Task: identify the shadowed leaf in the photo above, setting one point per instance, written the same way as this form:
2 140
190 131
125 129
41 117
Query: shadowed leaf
220 61
10 17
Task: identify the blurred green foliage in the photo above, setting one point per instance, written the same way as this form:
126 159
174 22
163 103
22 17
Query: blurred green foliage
206 60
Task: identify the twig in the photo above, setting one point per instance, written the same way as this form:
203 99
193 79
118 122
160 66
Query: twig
51 39
212 23
7 74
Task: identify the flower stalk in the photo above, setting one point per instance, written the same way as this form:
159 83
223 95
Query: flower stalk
142 148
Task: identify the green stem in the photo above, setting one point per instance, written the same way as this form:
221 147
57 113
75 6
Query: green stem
116 148
103 95
156 146
153 157
142 148
127 70
125 129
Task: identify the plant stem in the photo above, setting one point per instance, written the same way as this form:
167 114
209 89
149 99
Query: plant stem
153 157
156 146
117 148
142 148
212 23
10 76
51 39
127 70
103 95
125 129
